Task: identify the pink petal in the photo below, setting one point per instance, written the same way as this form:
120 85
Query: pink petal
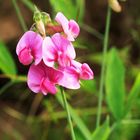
54 75
83 69
57 49
70 36
63 45
77 65
35 75
86 72
60 42
33 43
71 51
42 78
49 52
64 60
71 28
70 79
47 86
63 21
74 28
36 42
25 56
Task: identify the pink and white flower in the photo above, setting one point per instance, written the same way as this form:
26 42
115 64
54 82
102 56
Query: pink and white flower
58 66
42 78
83 70
57 50
29 48
73 74
70 27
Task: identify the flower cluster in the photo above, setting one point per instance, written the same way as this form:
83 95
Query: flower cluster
52 58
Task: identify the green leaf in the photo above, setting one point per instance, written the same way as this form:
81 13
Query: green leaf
7 64
78 134
79 122
115 88
89 86
71 9
97 57
81 9
102 132
135 91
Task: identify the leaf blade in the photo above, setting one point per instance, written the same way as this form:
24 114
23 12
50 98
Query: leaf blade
102 131
135 90
72 10
7 64
115 88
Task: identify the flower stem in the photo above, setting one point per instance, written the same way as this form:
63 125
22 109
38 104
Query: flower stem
68 113
105 45
6 86
92 31
20 17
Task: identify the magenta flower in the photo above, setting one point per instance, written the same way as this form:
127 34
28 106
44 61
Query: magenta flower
71 28
58 66
57 50
70 79
42 78
73 74
29 48
83 70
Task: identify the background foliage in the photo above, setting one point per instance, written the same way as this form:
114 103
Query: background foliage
25 115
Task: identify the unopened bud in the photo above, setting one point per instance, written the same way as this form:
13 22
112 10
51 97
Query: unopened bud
38 18
37 15
45 18
114 4
40 27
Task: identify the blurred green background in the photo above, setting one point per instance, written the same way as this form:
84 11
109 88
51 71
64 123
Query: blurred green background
25 115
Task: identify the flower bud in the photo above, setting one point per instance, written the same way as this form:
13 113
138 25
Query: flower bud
39 21
114 4
40 27
45 18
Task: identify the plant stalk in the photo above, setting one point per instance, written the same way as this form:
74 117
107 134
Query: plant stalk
68 113
19 15
102 80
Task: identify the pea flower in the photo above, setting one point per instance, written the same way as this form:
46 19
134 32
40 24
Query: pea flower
42 78
29 48
73 74
53 56
57 49
71 28
83 70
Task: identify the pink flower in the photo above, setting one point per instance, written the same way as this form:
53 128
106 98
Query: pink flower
83 70
73 74
53 57
57 50
71 28
29 48
42 78
70 79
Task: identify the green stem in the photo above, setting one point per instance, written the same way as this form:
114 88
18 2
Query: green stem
130 121
21 20
6 86
16 78
29 4
105 45
68 113
92 31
